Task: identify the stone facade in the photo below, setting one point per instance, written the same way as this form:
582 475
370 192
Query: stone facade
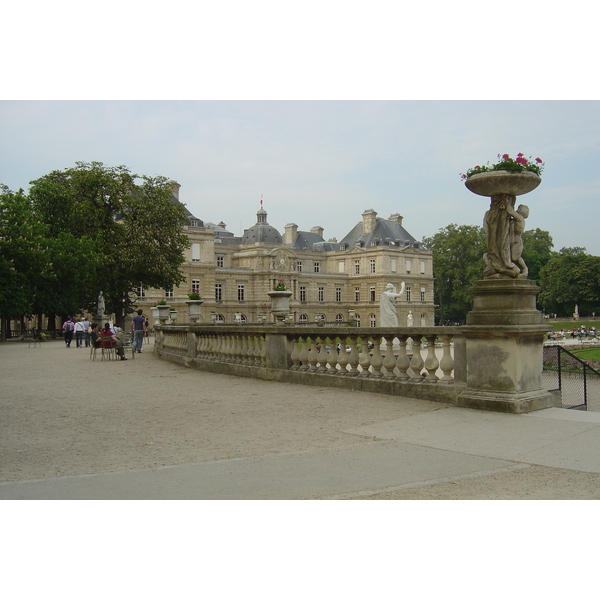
328 279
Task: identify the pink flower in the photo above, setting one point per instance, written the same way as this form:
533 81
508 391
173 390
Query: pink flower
538 160
505 156
520 154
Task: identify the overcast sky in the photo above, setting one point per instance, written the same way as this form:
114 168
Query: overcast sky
324 162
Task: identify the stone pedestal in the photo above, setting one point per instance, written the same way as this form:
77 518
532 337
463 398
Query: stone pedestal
504 348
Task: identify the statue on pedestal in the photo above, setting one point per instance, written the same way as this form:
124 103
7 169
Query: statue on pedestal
388 315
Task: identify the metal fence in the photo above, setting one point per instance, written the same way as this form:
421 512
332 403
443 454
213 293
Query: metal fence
577 382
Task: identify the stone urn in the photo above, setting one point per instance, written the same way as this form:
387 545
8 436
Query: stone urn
280 304
493 183
154 311
194 310
172 315
163 312
503 222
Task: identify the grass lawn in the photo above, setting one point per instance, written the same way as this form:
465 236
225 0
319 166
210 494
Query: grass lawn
570 325
587 354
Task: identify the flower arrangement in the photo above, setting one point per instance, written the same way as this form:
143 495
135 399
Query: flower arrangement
506 163
280 287
161 302
192 295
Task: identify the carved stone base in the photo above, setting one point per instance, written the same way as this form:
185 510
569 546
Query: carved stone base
504 340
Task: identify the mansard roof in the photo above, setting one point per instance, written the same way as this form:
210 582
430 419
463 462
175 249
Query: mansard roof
386 232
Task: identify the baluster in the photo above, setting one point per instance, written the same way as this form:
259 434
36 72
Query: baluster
343 358
304 354
431 362
263 351
416 363
312 355
217 347
447 362
255 351
322 356
295 355
365 359
389 360
377 359
228 348
353 358
244 349
403 362
332 357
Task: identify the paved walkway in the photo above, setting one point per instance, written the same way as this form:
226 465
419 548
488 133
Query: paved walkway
166 432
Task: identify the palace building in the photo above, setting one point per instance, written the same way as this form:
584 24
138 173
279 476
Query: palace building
330 280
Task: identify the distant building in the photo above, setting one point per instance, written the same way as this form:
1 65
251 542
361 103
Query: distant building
327 278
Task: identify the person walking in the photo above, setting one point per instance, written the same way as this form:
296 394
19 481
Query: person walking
138 328
86 332
79 332
68 328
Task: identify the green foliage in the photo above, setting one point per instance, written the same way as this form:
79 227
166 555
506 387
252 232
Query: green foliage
101 229
574 251
457 263
568 280
537 251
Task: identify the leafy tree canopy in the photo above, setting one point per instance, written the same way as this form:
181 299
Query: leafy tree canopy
129 221
457 263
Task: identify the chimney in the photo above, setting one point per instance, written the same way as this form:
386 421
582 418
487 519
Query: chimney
396 217
175 189
318 230
369 221
291 229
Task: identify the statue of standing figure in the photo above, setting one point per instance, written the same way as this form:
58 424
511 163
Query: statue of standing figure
101 306
388 315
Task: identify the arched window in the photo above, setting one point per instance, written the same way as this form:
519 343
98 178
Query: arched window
339 318
357 317
302 319
372 320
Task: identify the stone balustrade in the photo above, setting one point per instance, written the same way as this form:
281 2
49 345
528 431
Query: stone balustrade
425 362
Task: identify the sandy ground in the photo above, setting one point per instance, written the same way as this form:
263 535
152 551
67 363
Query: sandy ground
62 414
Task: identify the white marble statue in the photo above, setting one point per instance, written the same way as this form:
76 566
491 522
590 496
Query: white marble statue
410 320
388 315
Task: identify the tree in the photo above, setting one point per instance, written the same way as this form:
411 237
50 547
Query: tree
457 262
573 251
132 221
537 251
570 279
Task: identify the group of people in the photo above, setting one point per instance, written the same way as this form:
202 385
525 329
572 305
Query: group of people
92 335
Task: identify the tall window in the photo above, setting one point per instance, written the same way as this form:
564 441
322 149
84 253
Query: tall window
341 264
195 252
393 265
241 292
302 293
372 293
196 285
299 266
422 267
317 267
141 292
169 293
408 293
422 294
408 266
218 292
357 319
321 294
372 320
356 294
357 267
372 266
220 261
338 294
